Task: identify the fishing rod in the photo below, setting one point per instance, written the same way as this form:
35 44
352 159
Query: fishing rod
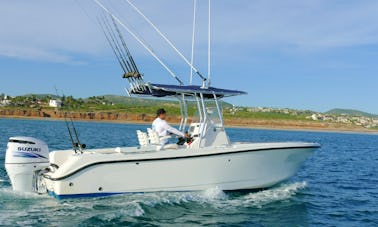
116 44
131 59
119 41
111 45
76 144
141 42
204 79
70 133
120 55
136 76
119 47
67 125
125 60
101 25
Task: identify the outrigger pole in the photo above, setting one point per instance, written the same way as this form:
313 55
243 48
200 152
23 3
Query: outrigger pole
139 40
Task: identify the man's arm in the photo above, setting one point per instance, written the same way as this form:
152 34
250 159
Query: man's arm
172 129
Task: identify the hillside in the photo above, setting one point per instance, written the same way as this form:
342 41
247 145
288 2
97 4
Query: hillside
125 100
351 112
40 96
126 109
114 103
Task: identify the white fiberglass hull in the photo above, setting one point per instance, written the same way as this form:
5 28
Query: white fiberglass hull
235 167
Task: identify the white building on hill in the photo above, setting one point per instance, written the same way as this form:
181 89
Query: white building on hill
5 101
55 103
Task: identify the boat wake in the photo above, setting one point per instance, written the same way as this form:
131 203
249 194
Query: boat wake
8 193
217 198
281 193
209 196
220 199
129 207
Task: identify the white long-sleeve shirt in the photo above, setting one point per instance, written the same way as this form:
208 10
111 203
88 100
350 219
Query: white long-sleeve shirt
163 128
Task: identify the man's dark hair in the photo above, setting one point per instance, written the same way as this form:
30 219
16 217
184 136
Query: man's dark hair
160 111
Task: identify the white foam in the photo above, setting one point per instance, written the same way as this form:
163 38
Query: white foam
132 204
121 205
283 192
219 199
6 216
134 209
9 192
209 196
108 217
214 194
216 197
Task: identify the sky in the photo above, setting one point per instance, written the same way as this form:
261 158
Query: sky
313 54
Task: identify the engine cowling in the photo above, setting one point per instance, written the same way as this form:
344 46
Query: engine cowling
25 156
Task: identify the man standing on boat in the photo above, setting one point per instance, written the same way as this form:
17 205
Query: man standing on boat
161 126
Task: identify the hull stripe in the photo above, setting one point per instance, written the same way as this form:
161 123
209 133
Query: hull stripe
88 195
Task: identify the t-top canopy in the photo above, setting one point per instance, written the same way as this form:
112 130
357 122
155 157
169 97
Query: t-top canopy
163 90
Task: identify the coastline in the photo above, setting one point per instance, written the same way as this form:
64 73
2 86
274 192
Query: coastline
229 123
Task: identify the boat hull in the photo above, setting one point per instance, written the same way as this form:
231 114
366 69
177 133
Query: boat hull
229 170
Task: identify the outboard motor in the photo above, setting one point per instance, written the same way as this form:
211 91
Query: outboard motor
25 157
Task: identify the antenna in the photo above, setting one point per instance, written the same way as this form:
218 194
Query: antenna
193 40
209 47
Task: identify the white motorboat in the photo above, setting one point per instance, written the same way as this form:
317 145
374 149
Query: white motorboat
209 159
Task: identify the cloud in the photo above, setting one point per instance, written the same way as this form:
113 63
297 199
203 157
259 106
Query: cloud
59 30
30 53
46 30
305 25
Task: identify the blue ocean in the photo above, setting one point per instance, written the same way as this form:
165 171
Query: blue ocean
337 186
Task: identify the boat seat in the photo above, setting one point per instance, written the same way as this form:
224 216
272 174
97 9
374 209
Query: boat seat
155 139
153 136
142 138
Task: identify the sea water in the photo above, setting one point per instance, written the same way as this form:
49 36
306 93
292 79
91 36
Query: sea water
337 186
